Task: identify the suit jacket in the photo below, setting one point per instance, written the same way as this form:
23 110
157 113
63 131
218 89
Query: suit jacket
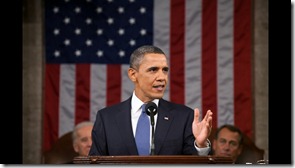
112 132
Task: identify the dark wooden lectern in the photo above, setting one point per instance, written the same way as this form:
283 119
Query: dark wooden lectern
158 159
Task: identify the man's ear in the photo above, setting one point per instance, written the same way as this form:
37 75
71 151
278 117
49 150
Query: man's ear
132 74
76 148
240 149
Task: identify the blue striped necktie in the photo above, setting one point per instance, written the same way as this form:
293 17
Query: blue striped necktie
142 135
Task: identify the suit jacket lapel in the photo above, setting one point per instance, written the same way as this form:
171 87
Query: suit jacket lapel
123 120
164 121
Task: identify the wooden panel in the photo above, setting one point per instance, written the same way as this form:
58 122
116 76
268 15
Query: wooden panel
159 159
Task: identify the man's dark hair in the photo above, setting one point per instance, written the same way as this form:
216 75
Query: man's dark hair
138 54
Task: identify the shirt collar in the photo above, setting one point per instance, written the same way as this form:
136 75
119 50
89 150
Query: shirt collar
136 103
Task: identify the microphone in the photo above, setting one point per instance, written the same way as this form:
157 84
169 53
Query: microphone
151 110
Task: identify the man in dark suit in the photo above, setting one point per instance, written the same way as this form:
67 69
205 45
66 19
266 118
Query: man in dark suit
178 130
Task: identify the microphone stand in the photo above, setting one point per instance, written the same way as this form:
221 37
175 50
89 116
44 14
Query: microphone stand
153 132
151 109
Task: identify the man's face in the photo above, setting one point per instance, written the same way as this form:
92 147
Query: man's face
151 78
83 143
227 144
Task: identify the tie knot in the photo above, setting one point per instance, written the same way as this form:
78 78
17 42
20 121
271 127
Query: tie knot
143 108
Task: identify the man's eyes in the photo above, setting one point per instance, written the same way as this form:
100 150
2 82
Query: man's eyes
84 139
154 69
231 143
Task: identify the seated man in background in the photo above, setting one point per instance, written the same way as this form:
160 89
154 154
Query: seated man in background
82 138
228 141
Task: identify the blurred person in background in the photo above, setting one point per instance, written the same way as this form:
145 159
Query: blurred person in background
228 142
82 138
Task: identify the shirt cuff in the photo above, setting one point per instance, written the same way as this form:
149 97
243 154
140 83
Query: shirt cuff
203 151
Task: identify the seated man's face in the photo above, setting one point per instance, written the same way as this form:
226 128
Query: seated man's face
227 144
84 141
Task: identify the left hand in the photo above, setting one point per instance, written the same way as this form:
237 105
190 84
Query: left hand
202 130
